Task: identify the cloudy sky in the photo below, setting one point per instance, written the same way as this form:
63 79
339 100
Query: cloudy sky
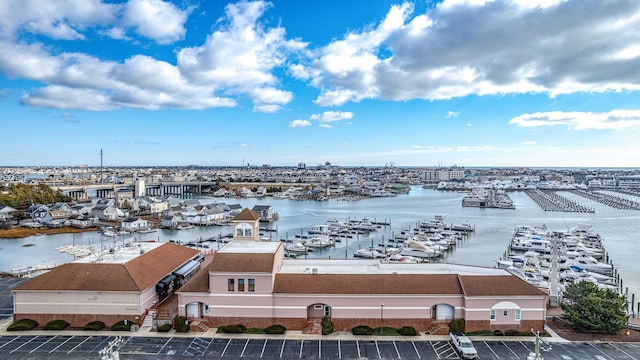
551 83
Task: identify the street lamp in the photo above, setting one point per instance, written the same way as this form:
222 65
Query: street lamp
381 314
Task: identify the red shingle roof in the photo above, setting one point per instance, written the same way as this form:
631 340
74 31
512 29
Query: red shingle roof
134 275
445 284
246 214
497 286
242 262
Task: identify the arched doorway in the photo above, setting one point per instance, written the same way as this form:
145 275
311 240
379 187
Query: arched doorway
443 313
196 310
318 311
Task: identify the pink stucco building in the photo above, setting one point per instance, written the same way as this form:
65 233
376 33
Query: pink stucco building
251 283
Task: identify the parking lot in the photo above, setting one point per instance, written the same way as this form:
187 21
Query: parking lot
85 347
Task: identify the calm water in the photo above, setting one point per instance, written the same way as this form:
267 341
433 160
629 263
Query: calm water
620 229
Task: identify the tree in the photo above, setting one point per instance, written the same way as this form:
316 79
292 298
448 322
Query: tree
589 308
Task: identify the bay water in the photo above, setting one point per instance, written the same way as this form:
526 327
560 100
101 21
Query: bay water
620 229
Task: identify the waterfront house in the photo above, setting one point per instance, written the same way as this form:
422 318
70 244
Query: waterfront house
83 208
36 211
171 221
266 212
62 206
118 285
133 224
7 213
106 212
82 221
55 218
250 282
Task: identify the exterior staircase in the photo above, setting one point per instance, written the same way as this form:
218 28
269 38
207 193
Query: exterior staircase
313 327
438 329
198 326
148 320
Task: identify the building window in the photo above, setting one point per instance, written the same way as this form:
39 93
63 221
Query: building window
493 314
518 314
244 230
241 285
252 285
231 285
505 313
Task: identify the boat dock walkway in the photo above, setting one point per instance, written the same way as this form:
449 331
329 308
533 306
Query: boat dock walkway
609 199
551 201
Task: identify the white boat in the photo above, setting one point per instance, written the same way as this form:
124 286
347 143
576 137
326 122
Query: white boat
417 249
589 263
401 259
531 243
318 241
366 254
296 247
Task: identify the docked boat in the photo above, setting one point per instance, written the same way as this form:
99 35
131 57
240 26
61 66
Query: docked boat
318 241
297 248
417 249
589 263
367 254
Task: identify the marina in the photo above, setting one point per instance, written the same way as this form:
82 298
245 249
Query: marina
494 229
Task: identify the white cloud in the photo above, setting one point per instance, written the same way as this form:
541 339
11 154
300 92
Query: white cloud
469 124
237 60
332 116
299 123
241 55
325 126
451 114
612 120
483 47
72 19
156 19
269 109
60 19
527 142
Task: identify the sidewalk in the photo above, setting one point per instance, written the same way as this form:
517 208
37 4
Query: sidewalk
289 335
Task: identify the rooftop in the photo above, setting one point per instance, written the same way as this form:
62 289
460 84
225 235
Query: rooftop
323 266
119 252
250 247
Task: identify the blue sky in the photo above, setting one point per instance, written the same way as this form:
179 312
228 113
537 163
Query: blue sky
550 83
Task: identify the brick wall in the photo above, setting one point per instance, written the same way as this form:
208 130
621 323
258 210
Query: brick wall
79 321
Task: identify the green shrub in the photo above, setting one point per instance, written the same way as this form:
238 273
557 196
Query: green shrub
164 328
122 325
23 325
362 330
407 331
253 330
232 329
181 324
497 333
327 326
385 331
511 332
480 333
275 329
456 325
56 325
94 326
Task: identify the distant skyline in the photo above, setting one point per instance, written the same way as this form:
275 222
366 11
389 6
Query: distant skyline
473 83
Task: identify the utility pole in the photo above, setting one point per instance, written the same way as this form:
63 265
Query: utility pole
100 166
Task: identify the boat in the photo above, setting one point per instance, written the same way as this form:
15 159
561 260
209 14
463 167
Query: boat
417 249
367 254
297 248
589 263
318 241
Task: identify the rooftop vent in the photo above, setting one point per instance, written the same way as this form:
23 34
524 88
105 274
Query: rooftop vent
314 270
